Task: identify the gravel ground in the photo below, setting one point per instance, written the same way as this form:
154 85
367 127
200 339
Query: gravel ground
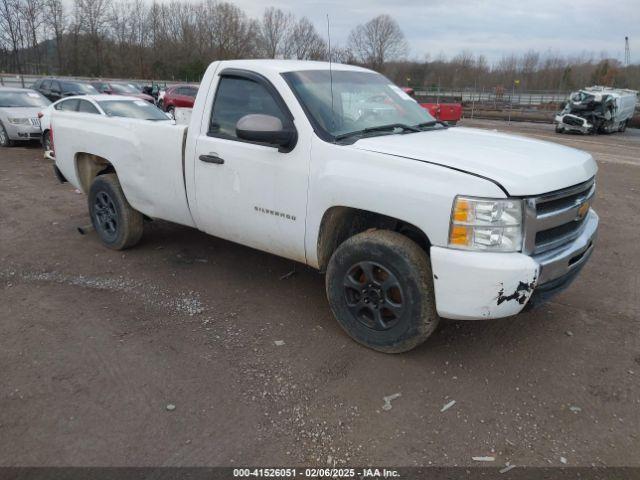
190 350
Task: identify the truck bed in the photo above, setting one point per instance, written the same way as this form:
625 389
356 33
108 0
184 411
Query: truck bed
148 157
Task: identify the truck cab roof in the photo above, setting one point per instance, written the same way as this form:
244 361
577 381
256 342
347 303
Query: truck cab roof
282 66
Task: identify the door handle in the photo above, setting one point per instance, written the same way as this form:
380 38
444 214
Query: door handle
211 159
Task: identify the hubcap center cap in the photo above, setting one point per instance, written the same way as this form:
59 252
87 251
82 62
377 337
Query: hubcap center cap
373 294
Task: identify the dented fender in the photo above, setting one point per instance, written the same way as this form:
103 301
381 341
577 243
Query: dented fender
481 285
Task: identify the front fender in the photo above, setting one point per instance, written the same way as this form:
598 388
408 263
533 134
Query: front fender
418 193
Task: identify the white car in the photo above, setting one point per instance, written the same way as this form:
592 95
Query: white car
410 220
19 115
106 105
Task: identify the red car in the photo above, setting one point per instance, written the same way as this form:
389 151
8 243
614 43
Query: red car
179 96
111 88
445 112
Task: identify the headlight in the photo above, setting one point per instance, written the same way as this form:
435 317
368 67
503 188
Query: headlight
19 121
486 224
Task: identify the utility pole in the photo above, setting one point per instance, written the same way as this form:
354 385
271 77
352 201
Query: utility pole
513 94
627 52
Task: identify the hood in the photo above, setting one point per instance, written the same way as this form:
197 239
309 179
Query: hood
521 165
21 112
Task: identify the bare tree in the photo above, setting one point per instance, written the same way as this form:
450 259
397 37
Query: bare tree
93 18
274 30
178 39
32 12
10 26
56 21
304 42
378 41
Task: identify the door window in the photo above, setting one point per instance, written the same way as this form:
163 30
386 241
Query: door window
46 85
68 105
87 107
237 97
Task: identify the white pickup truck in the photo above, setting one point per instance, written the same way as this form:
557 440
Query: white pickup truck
338 168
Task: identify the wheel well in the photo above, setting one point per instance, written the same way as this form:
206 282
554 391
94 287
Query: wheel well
340 223
89 166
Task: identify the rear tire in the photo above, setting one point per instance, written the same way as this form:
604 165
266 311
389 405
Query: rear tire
5 141
380 288
623 126
118 225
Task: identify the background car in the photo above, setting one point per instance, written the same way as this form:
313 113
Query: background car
108 105
179 96
55 89
114 88
137 86
19 109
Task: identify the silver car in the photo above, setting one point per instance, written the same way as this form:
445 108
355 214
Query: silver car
19 108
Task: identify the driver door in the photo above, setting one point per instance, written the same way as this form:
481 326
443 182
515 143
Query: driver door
247 192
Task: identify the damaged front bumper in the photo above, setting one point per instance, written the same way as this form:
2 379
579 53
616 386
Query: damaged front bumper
483 285
573 123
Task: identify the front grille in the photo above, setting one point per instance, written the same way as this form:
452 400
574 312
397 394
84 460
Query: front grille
556 218
571 120
556 204
545 236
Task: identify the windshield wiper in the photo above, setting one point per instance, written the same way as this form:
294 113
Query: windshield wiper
380 128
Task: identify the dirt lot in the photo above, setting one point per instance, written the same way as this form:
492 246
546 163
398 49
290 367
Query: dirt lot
94 345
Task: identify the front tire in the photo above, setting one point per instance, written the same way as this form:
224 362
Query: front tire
559 129
380 288
118 225
46 141
623 126
5 141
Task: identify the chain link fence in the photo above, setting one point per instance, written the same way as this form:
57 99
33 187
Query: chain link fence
499 103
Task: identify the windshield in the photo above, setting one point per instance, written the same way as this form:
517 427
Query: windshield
79 88
133 109
119 88
22 99
361 100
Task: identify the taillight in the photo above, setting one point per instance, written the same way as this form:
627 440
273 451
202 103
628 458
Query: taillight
53 152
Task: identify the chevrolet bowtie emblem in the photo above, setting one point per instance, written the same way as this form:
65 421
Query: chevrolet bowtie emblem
582 211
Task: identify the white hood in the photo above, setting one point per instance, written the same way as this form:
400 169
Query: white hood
523 166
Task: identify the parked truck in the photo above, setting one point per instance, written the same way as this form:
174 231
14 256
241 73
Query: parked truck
337 168
450 112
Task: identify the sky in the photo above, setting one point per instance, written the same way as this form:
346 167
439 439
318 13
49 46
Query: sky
493 27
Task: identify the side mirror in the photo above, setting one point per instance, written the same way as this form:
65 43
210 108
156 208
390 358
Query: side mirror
257 127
